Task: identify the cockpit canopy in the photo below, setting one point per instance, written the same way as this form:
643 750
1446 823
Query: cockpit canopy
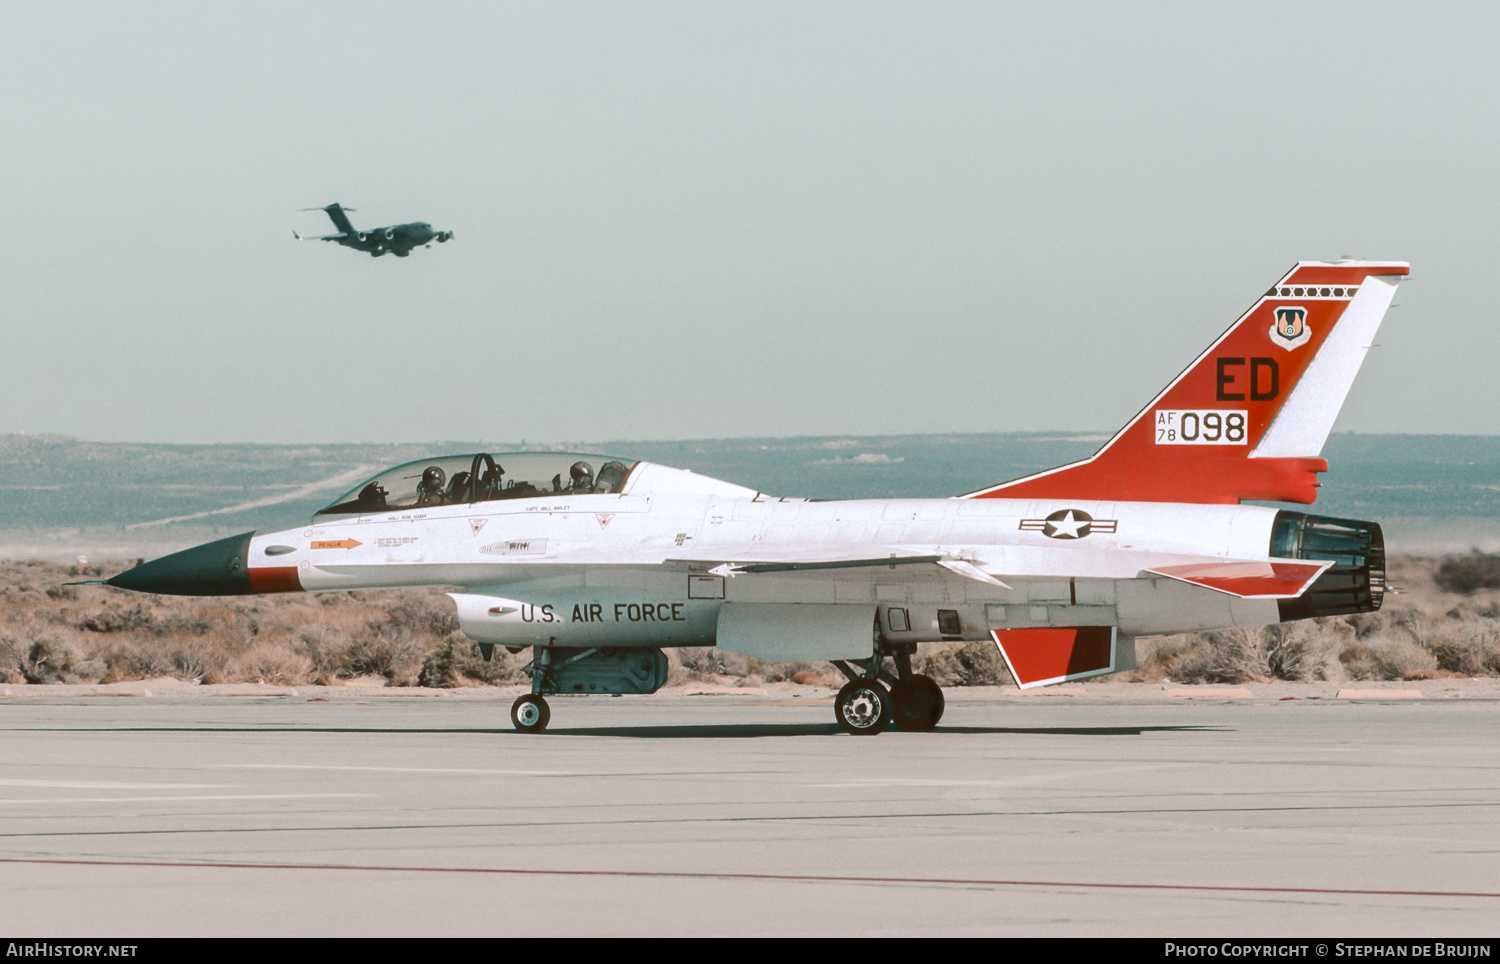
466 479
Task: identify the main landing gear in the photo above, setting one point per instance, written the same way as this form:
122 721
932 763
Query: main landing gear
874 699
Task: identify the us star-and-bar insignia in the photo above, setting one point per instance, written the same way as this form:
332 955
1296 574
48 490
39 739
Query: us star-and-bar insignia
1069 524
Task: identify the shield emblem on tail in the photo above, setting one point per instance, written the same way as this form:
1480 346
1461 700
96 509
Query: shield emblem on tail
1290 328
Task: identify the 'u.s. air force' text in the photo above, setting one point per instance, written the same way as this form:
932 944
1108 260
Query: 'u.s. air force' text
597 613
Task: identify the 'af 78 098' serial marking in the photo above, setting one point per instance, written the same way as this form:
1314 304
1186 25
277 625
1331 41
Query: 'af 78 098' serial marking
1200 427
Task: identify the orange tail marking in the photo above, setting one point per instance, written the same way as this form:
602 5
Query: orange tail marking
1193 442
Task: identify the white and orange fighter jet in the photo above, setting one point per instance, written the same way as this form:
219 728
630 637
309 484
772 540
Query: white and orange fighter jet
597 564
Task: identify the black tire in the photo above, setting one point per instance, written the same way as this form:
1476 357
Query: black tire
530 714
917 703
863 707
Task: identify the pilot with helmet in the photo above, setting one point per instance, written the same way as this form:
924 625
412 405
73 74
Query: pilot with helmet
430 489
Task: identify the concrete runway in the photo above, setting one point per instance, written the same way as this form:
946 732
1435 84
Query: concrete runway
378 813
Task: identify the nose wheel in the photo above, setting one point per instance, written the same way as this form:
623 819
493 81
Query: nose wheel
863 707
530 713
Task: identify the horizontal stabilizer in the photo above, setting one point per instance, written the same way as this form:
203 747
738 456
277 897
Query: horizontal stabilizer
1274 579
1038 657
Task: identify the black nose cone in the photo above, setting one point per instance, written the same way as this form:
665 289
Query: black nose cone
214 569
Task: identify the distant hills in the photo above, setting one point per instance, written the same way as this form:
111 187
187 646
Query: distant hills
61 497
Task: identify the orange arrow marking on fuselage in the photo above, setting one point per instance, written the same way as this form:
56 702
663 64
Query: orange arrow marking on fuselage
340 544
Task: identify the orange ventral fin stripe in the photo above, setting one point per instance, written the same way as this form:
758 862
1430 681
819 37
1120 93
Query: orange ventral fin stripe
1037 657
1278 376
1249 580
269 579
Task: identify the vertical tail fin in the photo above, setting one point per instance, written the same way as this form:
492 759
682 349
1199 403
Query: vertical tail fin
340 219
1248 419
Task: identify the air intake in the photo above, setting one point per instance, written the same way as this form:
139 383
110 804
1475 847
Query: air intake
1355 583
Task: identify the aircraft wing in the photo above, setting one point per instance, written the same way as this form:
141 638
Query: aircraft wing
324 237
1265 579
853 557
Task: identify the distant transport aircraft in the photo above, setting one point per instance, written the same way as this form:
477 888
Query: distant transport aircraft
398 239
597 564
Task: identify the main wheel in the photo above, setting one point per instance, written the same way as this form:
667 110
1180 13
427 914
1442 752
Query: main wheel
530 713
918 703
863 707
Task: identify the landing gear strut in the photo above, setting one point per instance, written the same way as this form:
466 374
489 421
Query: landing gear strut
530 713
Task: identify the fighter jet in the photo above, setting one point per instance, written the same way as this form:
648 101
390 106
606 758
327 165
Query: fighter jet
398 239
597 564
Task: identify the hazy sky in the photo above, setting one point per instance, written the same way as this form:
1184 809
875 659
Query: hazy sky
714 219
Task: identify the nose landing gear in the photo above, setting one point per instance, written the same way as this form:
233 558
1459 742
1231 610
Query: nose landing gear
530 713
